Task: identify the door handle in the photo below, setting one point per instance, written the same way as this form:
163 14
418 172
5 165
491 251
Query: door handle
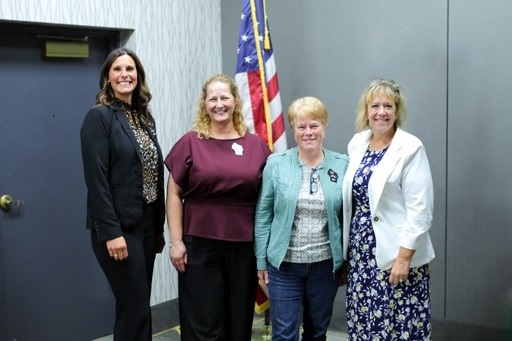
5 202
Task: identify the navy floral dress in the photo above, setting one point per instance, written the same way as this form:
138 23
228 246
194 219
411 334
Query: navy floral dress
377 310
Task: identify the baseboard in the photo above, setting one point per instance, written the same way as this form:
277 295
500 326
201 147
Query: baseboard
449 330
165 316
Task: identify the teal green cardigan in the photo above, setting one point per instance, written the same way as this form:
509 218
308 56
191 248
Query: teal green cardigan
277 204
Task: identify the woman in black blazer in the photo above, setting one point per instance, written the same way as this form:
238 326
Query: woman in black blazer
123 170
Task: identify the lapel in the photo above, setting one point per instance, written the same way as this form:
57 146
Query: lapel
384 169
357 153
152 135
123 121
358 147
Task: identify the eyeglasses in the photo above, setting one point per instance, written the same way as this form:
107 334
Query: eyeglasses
313 181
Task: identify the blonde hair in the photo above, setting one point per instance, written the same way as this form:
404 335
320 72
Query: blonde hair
386 88
308 106
202 123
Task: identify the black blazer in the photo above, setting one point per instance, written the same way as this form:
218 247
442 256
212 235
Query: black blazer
113 174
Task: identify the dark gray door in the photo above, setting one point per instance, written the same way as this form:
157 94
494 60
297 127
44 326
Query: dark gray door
51 287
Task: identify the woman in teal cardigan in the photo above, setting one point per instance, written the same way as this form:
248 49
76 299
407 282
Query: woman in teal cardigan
298 227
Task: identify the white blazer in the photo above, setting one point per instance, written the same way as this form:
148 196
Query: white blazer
401 198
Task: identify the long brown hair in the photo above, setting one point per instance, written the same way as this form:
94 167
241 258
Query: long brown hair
141 94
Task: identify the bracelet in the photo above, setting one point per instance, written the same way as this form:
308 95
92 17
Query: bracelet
176 242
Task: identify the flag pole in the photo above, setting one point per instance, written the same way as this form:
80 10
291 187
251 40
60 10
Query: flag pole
262 70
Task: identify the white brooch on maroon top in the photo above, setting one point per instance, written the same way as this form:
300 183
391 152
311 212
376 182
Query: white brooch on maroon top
239 150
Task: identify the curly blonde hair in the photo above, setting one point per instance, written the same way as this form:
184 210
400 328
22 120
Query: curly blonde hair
378 87
202 122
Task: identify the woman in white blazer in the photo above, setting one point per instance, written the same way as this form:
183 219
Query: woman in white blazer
388 203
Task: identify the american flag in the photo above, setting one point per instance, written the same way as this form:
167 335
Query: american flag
256 77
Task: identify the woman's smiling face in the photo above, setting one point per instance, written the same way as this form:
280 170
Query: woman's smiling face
381 113
122 77
220 103
309 133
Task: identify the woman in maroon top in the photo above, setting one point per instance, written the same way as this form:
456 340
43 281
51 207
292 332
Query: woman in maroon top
215 176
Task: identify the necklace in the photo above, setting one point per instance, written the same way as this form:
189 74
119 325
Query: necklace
384 145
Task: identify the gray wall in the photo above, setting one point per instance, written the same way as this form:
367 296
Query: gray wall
451 58
170 38
479 187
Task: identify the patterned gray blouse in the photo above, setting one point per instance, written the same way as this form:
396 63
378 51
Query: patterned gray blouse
309 242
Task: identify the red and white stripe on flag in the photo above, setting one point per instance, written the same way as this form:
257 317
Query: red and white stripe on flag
257 77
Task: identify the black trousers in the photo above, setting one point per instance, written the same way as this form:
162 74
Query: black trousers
130 280
217 291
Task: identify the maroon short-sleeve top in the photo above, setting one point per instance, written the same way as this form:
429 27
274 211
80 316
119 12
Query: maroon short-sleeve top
220 180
